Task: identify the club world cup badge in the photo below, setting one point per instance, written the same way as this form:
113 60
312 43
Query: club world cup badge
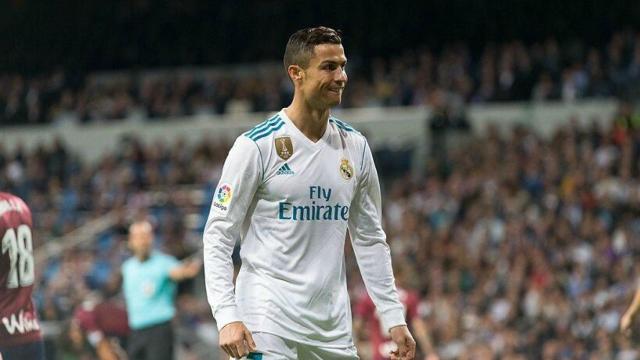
346 170
284 147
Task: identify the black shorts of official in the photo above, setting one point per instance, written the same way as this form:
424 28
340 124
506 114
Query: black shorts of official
29 351
151 343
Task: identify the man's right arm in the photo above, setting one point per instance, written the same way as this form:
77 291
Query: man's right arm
241 175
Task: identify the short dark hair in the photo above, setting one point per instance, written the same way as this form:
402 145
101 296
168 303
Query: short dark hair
301 44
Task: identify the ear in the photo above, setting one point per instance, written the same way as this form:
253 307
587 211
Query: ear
296 73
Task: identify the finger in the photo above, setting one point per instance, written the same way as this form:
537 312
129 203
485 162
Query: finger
402 350
232 351
241 349
411 351
250 342
227 350
411 354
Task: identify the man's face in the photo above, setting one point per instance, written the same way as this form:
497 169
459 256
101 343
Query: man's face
325 77
141 239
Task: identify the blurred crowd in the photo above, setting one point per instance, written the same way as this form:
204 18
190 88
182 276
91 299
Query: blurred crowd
524 247
521 247
456 73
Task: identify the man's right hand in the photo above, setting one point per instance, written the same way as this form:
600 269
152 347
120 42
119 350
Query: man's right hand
406 345
236 340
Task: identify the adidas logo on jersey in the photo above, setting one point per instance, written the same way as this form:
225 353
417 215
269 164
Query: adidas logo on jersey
285 170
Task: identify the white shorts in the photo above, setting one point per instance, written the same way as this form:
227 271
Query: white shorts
273 347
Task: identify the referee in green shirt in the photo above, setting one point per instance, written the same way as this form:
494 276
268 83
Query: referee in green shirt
149 285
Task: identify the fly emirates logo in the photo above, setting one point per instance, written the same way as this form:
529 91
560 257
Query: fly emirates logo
320 208
23 323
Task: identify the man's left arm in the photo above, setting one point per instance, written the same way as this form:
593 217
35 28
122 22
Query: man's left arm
374 257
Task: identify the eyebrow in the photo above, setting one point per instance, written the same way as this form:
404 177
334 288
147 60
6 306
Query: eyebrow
333 62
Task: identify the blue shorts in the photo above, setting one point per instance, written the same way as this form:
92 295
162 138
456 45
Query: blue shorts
29 351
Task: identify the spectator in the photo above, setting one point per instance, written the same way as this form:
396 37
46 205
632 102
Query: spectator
510 71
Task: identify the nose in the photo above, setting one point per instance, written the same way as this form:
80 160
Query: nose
342 76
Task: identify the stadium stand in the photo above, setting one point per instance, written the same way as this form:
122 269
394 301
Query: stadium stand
511 71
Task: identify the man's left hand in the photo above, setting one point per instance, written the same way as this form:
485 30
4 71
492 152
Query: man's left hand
406 345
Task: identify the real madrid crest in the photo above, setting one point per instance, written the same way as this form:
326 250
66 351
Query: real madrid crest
284 147
346 170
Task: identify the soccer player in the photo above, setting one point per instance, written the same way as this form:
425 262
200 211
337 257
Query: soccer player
290 189
20 336
149 284
367 321
103 324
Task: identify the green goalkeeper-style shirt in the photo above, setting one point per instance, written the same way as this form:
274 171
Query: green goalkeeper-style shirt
148 290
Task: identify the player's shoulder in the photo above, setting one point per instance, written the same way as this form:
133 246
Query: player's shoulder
10 202
5 196
128 263
264 130
341 124
346 129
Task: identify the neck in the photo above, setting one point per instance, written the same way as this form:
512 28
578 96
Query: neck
142 257
312 122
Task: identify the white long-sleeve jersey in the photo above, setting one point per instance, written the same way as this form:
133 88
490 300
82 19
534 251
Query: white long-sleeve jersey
290 202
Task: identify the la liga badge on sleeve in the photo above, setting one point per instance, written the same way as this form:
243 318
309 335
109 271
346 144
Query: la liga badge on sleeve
222 198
